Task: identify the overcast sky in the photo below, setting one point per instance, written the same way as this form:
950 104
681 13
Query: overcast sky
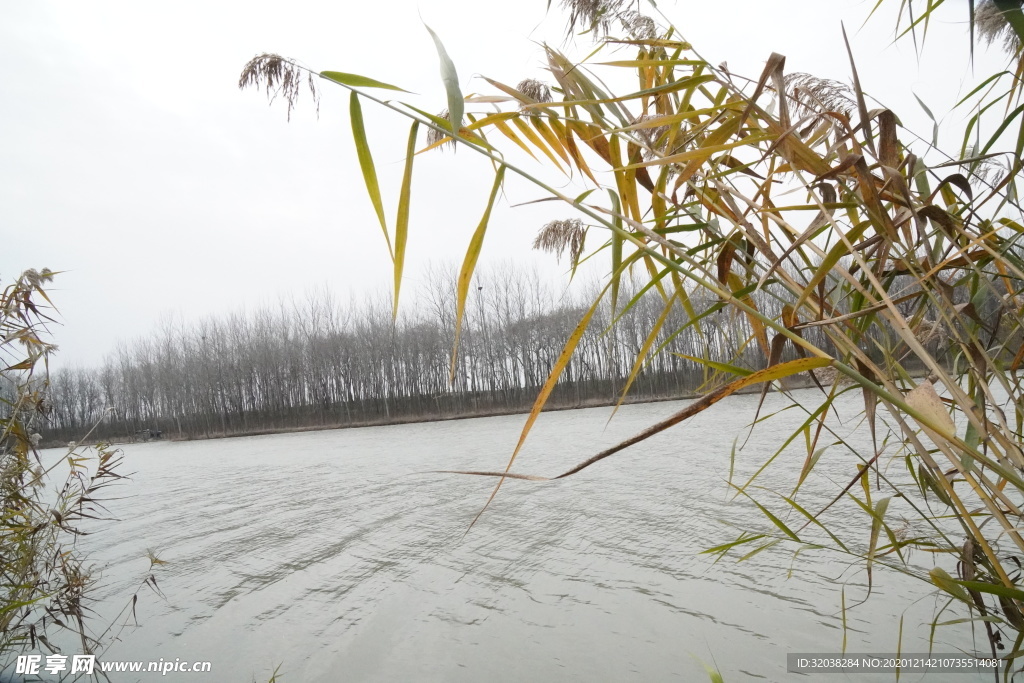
132 163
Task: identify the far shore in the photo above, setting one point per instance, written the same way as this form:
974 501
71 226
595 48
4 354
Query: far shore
802 383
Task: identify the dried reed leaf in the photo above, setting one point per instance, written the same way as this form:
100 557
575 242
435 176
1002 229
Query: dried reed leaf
542 397
700 405
862 109
888 144
476 244
924 399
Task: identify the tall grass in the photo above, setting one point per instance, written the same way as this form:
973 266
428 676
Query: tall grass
45 580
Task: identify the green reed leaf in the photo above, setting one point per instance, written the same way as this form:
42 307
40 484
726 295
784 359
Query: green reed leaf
402 220
366 165
456 103
357 81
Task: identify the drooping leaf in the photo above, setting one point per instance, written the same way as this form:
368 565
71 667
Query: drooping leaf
469 265
545 392
366 165
456 104
926 401
402 220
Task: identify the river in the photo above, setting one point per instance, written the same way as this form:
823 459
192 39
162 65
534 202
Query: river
331 555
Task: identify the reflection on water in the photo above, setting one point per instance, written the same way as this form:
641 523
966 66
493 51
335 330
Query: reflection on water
330 554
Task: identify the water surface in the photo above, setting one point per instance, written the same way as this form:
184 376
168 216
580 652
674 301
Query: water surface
327 554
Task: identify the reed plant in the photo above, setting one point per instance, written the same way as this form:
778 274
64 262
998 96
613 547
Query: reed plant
785 202
45 580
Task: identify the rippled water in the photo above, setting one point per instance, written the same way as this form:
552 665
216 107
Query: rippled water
327 554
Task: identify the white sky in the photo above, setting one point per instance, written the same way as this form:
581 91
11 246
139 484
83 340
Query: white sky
131 161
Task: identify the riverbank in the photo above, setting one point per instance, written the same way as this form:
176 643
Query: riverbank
791 384
420 419
394 420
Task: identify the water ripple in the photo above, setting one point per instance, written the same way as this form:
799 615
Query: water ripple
327 553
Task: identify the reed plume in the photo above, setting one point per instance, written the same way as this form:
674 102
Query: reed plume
558 236
278 77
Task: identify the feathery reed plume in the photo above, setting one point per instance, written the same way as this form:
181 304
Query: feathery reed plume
981 170
639 26
534 89
36 278
594 15
655 137
656 141
557 236
435 136
813 95
993 27
278 77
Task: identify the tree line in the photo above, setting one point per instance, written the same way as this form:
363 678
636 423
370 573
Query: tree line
318 362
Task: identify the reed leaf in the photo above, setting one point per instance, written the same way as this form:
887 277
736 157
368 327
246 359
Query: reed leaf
402 219
903 268
476 243
456 105
542 397
357 81
366 165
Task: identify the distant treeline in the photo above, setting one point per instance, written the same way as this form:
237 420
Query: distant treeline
316 363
